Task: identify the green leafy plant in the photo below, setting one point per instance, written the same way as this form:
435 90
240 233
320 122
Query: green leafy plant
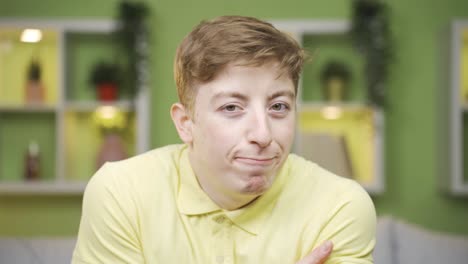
370 32
132 36
105 72
335 69
34 71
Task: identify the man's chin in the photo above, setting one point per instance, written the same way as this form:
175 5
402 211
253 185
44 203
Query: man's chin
257 185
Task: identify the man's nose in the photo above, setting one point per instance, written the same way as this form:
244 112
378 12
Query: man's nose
259 131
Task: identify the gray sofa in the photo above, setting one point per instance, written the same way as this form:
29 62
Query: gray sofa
36 250
397 243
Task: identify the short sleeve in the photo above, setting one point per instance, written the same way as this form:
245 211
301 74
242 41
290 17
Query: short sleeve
107 232
351 226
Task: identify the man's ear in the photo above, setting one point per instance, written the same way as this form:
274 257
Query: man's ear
182 121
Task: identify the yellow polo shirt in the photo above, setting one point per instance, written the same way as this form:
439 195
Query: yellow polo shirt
151 209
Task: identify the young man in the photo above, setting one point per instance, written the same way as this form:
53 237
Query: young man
232 193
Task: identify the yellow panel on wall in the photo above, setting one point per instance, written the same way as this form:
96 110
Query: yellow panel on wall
464 67
83 138
15 58
355 125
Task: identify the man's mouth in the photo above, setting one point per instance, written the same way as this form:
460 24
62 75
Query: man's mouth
256 161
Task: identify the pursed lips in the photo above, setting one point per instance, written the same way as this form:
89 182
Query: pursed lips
256 161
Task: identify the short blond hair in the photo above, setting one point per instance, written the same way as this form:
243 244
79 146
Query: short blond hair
214 44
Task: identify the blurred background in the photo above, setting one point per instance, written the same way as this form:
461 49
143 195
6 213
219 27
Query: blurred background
400 134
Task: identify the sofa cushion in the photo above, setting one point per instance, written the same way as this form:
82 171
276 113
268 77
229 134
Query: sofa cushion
36 250
416 245
16 251
384 248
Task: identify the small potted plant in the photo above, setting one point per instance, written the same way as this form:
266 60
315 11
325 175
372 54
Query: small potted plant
34 87
105 77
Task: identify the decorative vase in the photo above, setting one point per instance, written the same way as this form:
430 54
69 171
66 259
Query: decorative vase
107 91
112 149
34 92
32 162
335 78
334 90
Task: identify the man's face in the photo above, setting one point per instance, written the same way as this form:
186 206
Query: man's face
243 128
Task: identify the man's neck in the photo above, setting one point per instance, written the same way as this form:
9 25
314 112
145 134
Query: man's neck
224 198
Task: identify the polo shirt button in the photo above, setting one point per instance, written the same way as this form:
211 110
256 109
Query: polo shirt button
220 219
220 259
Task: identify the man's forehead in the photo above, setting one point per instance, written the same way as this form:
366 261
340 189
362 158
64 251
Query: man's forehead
234 74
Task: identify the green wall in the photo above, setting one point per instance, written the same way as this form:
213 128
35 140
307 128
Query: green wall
416 120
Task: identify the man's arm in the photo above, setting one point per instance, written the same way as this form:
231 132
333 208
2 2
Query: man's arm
351 227
107 234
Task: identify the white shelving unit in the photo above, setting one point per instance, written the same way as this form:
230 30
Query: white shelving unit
301 28
61 184
123 105
457 182
27 109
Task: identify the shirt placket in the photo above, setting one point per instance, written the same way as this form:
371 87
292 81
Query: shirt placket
223 241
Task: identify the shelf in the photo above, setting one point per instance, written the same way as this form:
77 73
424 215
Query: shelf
341 105
90 106
41 188
17 130
464 107
332 48
354 128
345 139
32 108
303 27
15 62
75 25
80 155
456 182
65 124
83 50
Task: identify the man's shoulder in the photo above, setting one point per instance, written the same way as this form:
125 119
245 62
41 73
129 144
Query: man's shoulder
305 174
163 156
331 208
308 171
152 169
324 195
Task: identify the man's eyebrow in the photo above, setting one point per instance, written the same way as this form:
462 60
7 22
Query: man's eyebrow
287 93
229 95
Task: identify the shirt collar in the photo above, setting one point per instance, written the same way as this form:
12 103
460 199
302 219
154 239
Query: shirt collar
192 200
252 217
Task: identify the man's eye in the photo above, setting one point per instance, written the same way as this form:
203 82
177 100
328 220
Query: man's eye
279 107
231 108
